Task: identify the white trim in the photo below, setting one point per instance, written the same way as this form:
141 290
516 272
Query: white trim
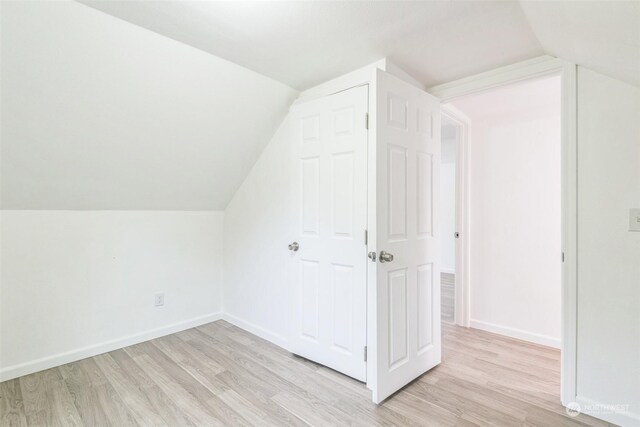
589 407
59 359
347 81
448 270
462 290
538 67
569 356
516 333
525 70
355 78
256 330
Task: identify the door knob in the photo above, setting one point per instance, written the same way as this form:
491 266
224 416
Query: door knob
294 246
385 256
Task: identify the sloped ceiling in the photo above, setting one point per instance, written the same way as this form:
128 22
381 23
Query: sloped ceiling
101 114
304 43
601 35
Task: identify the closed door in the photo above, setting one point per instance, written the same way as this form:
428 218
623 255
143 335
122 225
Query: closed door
406 272
329 252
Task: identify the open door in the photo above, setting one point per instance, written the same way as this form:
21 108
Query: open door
406 271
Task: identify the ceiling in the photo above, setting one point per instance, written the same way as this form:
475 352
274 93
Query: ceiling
304 43
601 35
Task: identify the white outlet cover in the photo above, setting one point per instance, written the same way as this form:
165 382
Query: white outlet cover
159 300
634 219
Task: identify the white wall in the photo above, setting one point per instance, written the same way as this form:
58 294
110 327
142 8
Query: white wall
258 226
448 201
98 113
608 365
515 216
78 283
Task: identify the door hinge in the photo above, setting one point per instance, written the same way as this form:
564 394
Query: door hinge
365 353
366 237
456 235
366 120
562 256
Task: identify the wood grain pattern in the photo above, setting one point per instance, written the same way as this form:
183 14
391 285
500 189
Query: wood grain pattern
220 375
447 297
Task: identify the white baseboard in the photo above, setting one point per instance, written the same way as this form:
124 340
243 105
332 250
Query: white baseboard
41 364
516 333
608 412
259 331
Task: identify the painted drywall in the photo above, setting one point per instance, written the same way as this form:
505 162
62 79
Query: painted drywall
448 199
608 361
258 227
515 217
99 113
78 283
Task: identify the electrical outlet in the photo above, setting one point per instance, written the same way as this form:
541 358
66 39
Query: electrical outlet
159 300
634 219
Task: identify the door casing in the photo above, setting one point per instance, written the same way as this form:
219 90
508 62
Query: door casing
526 70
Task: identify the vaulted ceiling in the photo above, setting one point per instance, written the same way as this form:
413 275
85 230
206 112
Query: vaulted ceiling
172 112
303 43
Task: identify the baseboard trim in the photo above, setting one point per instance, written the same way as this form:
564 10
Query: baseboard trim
41 364
259 331
516 333
607 413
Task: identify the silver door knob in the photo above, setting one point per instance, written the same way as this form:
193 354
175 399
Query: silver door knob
294 246
385 256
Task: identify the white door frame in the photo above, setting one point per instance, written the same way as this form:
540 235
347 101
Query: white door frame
462 309
538 67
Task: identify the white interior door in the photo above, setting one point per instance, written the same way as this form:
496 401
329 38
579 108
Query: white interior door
407 301
329 272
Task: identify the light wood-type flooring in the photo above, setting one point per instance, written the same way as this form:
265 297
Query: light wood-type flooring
220 375
447 296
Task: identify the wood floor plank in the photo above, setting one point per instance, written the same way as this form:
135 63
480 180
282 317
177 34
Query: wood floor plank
249 411
94 396
135 398
220 375
11 405
47 400
203 369
421 411
163 405
188 394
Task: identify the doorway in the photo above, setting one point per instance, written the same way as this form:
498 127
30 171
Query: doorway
514 210
451 134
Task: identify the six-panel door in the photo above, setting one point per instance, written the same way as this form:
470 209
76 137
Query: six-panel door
407 307
329 272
